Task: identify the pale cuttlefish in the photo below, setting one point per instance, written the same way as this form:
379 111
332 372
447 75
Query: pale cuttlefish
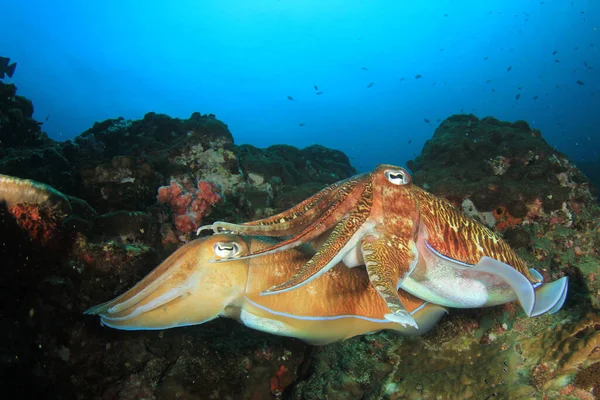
407 239
189 289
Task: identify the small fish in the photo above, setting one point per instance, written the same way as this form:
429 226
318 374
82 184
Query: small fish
301 124
445 15
418 76
290 98
509 68
556 61
488 81
535 97
316 87
586 65
554 52
370 85
580 83
518 96
47 117
485 58
520 87
319 93
365 68
426 120
409 141
9 70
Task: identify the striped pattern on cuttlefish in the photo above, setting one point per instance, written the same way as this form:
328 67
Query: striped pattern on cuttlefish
189 289
406 238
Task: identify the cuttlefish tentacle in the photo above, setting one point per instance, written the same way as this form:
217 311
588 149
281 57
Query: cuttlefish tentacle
294 219
335 212
387 263
345 237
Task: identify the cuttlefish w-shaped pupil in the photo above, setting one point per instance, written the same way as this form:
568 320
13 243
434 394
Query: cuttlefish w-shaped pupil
226 250
396 177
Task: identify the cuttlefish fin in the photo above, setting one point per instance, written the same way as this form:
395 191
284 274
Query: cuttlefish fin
549 297
426 317
387 265
519 283
535 300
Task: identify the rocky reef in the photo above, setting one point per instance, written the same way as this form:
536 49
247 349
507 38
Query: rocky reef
104 209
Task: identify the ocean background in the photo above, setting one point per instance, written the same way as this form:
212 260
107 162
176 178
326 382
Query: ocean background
82 62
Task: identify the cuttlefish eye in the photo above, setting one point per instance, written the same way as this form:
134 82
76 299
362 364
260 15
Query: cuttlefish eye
397 176
227 249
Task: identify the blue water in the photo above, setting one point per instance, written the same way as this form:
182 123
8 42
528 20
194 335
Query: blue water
83 61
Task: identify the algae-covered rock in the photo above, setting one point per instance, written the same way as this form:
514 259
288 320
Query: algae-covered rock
287 165
507 176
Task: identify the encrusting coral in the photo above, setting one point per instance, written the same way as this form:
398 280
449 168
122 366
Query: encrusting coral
189 204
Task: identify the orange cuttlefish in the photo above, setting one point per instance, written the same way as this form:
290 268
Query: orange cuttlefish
406 238
188 289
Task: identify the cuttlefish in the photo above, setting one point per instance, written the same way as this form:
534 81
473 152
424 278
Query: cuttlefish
407 239
188 289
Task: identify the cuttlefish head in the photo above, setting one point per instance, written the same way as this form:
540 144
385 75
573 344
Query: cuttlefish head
186 289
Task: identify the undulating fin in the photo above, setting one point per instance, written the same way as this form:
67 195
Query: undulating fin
426 318
520 284
535 299
549 297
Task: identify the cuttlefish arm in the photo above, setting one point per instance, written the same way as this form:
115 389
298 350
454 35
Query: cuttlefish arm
296 218
188 289
306 222
380 233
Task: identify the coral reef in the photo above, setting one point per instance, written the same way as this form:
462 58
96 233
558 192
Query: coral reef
135 190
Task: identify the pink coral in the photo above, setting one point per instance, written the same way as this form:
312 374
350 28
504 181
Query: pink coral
189 207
